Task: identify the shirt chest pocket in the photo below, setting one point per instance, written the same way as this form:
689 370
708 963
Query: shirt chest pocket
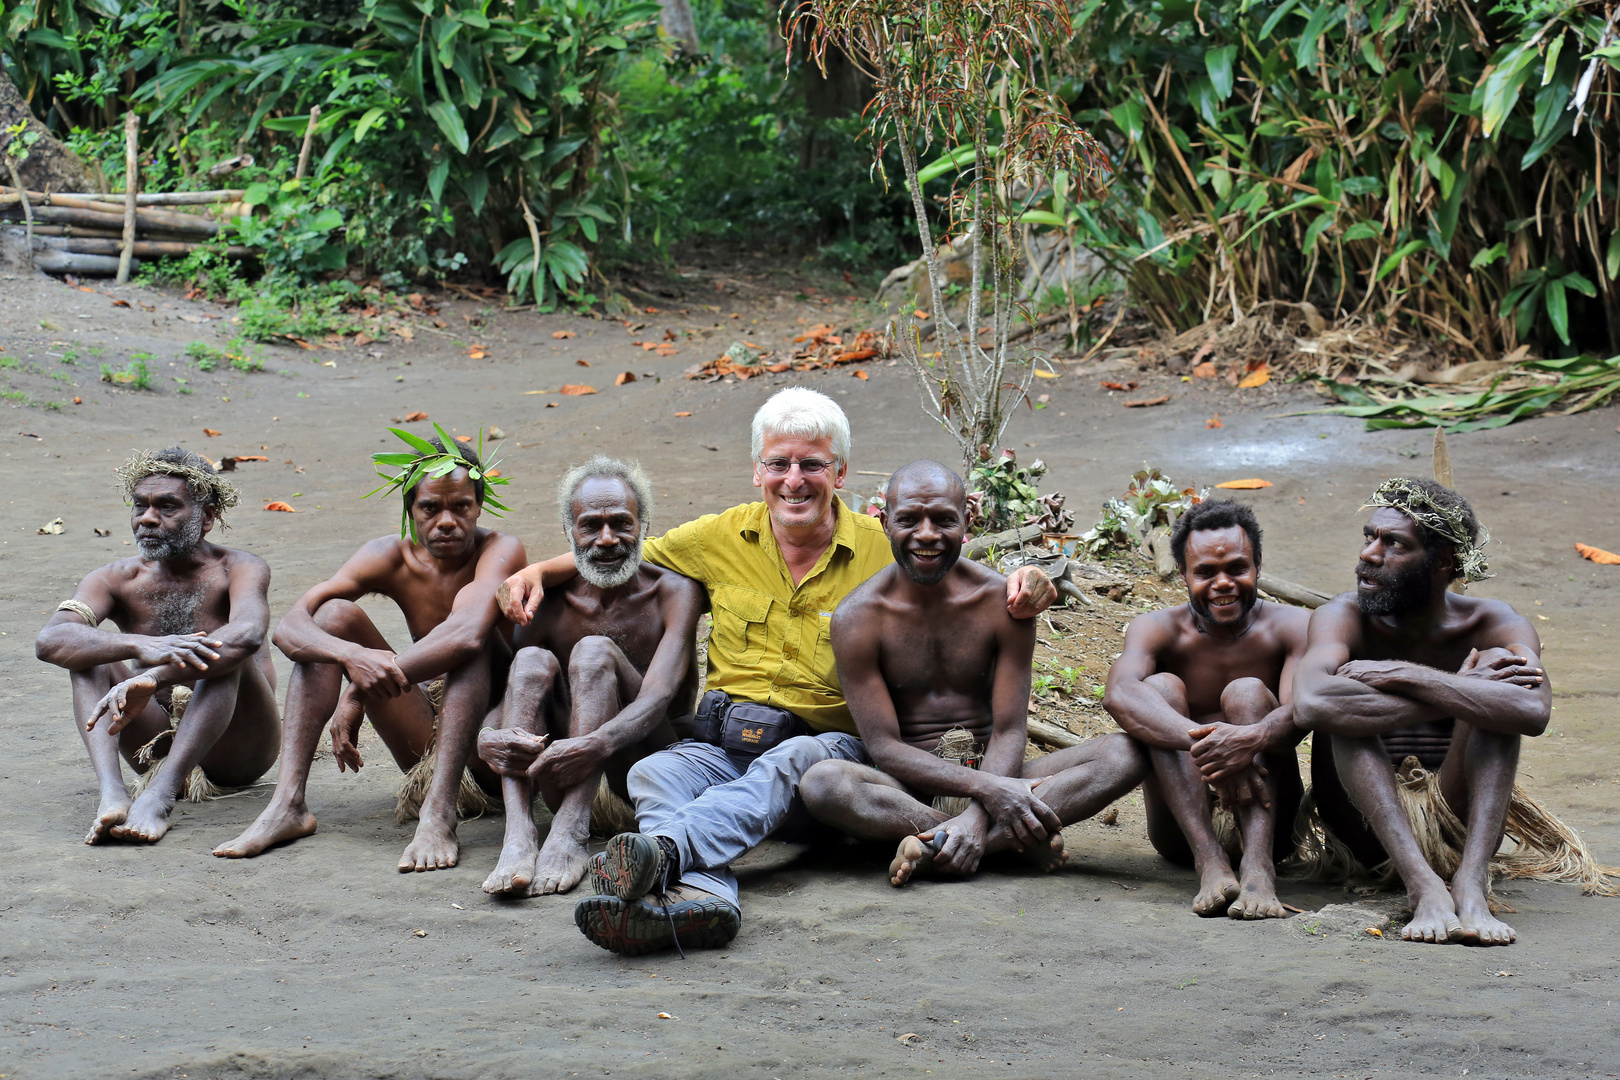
739 624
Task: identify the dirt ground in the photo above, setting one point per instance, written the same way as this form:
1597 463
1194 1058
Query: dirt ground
165 961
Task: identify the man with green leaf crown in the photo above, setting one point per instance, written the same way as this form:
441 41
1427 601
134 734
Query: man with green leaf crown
426 701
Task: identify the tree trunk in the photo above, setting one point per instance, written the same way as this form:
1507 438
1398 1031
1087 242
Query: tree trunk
50 166
679 24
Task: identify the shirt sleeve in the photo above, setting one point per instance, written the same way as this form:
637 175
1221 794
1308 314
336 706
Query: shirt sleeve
680 549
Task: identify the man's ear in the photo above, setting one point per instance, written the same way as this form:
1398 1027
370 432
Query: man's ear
838 477
209 516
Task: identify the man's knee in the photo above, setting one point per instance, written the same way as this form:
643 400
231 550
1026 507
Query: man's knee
1243 698
340 618
594 658
826 783
1171 688
1126 755
534 668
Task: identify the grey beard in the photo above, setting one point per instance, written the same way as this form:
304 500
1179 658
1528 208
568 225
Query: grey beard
606 579
178 544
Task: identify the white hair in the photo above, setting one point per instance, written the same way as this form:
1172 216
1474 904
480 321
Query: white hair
799 412
629 472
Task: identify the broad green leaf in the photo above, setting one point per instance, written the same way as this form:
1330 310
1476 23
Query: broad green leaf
476 186
1488 256
1361 230
436 178
1498 92
448 118
1411 247
1218 62
414 441
1277 17
368 121
1041 217
1553 50
1128 115
1611 261
952 160
1579 283
1558 309
1305 47
588 226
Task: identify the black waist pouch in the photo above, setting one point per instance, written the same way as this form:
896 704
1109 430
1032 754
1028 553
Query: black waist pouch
744 727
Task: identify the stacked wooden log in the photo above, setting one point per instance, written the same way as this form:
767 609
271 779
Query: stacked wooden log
82 232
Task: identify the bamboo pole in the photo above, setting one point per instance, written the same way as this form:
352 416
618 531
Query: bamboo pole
28 210
144 249
182 224
145 198
132 182
309 138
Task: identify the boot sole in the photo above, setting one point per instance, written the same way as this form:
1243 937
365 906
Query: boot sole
633 928
631 865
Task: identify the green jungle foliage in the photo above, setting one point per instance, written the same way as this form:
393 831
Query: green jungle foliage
1447 164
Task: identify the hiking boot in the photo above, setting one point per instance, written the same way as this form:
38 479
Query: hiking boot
597 875
687 919
634 864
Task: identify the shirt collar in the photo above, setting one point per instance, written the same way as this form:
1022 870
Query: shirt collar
756 526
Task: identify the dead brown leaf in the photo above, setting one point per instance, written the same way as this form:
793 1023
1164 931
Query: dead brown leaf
120 303
1598 555
1258 377
281 506
561 334
1214 422
861 375
683 414
477 352
210 432
463 438
574 390
1143 403
1244 485
624 377
1109 384
1206 370
413 417
582 363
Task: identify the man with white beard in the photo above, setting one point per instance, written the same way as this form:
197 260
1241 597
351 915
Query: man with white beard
192 621
606 664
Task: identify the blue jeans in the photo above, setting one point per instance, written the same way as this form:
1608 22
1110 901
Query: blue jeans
718 806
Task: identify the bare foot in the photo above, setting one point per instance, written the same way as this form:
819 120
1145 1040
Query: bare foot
1479 926
434 848
277 825
109 815
1216 891
914 856
147 820
1434 920
561 864
1048 856
1257 898
514 871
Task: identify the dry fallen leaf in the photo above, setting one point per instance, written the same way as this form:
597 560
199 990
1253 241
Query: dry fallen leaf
1206 370
477 352
1214 422
412 417
1244 485
1258 377
624 377
910 1038
463 438
493 472
560 334
281 506
551 404
1042 373
53 527
665 1016
1109 384
575 390
210 432
683 414
582 363
78 401
1143 403
1375 932
420 933
861 375
920 313
665 349
1598 555
100 531
120 303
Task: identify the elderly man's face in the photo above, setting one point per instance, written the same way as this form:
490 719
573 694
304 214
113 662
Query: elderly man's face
798 499
607 532
167 522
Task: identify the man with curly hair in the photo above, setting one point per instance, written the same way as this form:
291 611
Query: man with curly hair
186 680
1405 668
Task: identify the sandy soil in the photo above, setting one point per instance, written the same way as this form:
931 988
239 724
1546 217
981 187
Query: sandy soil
165 961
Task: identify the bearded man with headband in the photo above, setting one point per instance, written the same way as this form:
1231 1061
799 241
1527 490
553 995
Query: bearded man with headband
1405 668
607 665
192 621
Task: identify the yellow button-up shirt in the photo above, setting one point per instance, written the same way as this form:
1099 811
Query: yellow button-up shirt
771 643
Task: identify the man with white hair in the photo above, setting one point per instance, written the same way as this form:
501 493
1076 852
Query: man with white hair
775 570
606 664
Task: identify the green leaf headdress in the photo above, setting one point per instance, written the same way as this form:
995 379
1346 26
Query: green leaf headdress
429 462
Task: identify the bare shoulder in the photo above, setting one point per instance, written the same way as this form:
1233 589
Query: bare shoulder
1338 619
858 607
239 561
503 546
1160 627
1290 624
671 585
1496 622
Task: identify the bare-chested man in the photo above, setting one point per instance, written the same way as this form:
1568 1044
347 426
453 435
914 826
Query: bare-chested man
1405 667
190 614
607 662
1206 688
926 645
444 583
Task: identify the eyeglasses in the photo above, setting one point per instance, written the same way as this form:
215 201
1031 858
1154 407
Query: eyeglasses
781 466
